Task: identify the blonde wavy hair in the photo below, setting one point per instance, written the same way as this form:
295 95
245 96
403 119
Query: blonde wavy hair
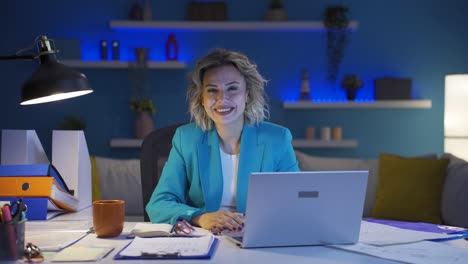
256 108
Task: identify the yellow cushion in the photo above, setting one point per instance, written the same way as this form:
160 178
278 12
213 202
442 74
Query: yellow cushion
96 189
409 189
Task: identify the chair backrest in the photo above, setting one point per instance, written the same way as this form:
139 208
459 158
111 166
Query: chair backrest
154 152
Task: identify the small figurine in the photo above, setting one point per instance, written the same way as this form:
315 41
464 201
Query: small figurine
305 89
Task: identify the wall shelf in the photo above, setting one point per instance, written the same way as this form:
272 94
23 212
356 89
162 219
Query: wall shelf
222 25
123 64
126 142
307 143
423 104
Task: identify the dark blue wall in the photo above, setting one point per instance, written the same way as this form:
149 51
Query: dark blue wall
416 39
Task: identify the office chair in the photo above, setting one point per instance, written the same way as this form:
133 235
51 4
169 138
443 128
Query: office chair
154 152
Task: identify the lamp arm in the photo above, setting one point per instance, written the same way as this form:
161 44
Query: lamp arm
18 57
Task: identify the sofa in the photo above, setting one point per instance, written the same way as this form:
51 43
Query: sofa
451 195
120 179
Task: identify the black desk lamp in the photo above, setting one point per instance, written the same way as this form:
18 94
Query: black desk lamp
52 81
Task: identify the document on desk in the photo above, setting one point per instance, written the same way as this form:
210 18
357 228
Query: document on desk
81 253
55 235
424 252
383 235
169 247
162 230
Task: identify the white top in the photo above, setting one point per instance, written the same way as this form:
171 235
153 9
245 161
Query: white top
229 164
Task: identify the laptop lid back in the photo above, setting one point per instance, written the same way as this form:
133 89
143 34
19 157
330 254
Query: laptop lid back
304 208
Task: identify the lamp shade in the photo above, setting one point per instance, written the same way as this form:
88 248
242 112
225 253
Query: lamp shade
456 110
455 115
53 81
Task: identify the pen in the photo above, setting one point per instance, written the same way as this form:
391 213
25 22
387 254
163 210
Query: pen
6 213
173 228
10 230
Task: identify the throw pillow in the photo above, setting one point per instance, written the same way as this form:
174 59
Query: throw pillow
409 189
96 189
315 163
120 179
455 193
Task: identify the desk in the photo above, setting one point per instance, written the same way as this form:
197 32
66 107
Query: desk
227 252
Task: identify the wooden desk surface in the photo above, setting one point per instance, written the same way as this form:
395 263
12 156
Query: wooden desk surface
227 252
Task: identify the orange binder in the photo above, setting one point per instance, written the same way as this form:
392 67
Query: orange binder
32 186
26 186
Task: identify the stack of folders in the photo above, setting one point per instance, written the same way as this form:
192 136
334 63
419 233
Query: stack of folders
42 188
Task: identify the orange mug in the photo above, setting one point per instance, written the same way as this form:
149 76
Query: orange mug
108 217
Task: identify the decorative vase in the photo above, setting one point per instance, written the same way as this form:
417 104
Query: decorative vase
136 11
143 125
147 11
141 55
351 93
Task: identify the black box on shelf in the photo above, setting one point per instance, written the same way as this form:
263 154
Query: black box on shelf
392 88
201 11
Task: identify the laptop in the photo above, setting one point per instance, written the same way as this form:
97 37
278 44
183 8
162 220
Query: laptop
303 208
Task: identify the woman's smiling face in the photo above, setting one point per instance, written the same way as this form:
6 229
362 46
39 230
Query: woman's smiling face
224 95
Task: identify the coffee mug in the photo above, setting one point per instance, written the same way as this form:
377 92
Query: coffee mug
108 217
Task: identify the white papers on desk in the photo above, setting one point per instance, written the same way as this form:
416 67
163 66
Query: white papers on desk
383 235
424 252
162 230
55 235
184 246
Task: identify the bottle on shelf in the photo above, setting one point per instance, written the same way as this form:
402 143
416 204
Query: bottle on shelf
103 49
172 48
115 49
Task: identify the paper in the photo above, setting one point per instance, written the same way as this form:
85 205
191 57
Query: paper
183 246
382 235
418 226
55 235
81 253
161 230
424 252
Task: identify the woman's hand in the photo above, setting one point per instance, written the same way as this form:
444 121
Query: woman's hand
219 221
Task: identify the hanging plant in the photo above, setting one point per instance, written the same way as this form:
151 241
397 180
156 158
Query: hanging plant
336 22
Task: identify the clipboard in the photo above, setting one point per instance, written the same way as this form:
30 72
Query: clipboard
210 253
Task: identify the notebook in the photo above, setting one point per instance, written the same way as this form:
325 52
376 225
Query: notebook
303 208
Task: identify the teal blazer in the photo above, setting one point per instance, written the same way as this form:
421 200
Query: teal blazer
191 182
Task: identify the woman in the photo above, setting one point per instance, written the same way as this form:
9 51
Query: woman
206 175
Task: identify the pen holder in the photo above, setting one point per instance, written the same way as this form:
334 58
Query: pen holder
12 240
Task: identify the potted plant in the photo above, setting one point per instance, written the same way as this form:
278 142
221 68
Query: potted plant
336 22
351 83
144 109
276 12
71 122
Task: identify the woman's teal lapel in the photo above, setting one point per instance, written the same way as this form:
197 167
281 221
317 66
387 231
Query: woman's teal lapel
250 160
210 171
